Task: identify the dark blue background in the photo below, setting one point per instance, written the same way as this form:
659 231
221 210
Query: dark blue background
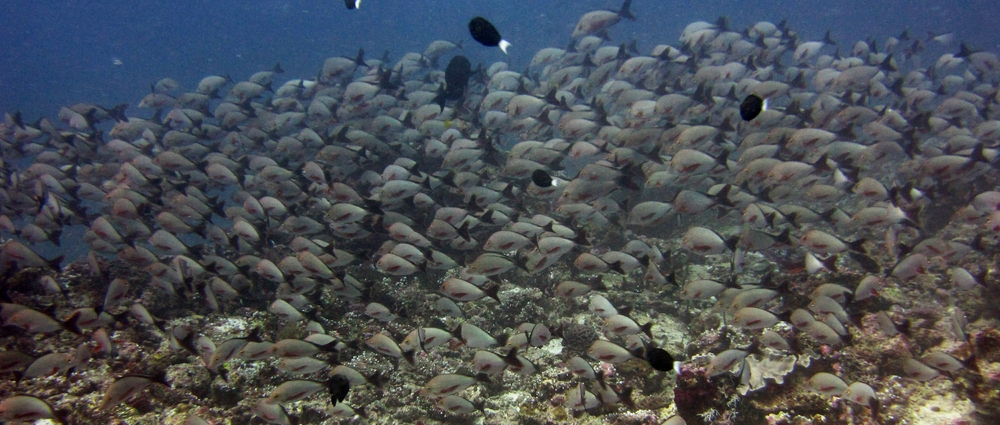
55 53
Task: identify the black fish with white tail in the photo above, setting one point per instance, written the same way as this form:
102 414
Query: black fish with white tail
752 106
486 34
339 387
543 179
456 79
660 359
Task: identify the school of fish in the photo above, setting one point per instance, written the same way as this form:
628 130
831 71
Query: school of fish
605 235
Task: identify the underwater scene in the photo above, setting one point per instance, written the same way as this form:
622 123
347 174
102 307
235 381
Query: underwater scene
499 212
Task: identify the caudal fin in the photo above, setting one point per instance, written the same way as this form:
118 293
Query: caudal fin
624 12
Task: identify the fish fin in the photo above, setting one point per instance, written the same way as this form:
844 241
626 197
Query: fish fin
905 328
963 51
56 263
647 329
639 353
408 356
672 278
473 204
971 363
858 246
626 397
887 65
502 339
732 241
457 332
463 231
121 317
439 99
624 12
867 262
375 379
70 324
784 237
330 347
616 266
785 316
494 292
160 377
830 263
359 60
360 411
829 40
511 358
622 53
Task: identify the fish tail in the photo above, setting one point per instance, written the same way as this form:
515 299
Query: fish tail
624 12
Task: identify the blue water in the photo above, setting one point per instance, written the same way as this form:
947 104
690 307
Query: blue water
56 53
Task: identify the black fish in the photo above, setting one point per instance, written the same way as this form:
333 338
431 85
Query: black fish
541 178
339 387
752 106
456 79
486 34
660 359
352 4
